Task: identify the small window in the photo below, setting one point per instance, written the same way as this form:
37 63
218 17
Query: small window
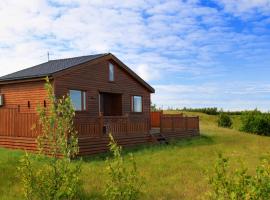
136 103
111 72
1 99
78 99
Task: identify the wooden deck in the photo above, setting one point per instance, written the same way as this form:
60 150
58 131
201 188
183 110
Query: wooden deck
20 130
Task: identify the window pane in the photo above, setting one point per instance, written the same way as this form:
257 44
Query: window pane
111 72
137 104
76 98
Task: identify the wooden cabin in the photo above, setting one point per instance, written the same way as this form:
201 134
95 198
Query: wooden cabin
107 96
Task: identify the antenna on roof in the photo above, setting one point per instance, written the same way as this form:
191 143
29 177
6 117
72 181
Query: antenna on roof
48 54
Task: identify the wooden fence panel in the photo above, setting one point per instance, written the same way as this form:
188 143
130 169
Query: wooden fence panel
155 118
7 118
16 124
178 123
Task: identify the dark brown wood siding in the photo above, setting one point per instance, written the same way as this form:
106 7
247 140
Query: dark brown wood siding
94 78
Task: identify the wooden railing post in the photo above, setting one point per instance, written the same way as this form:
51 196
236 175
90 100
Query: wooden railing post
161 121
186 123
101 123
127 124
198 125
173 128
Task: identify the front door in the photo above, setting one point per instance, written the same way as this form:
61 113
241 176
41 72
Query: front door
110 104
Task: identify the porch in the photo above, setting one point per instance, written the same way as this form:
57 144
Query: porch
20 130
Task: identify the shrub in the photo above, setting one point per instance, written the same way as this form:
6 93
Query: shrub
123 183
224 120
238 184
256 122
57 177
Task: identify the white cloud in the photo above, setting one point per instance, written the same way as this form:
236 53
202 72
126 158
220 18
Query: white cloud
245 8
81 27
231 96
147 73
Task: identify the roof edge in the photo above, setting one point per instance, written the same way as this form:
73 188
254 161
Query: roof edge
132 73
28 79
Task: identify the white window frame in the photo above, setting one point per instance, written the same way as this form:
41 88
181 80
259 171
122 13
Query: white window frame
111 72
133 105
83 99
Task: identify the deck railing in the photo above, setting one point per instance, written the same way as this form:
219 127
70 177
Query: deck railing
126 124
175 123
14 123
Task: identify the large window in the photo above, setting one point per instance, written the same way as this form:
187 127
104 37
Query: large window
136 102
78 99
111 72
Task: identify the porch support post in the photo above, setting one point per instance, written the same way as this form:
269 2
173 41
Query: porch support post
101 123
186 123
127 123
161 121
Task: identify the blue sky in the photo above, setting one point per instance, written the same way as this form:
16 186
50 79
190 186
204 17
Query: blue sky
194 53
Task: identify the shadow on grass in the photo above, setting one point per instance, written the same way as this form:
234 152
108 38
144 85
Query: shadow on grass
183 143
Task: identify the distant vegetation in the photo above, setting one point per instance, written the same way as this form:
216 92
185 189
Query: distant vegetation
256 122
224 120
209 111
154 107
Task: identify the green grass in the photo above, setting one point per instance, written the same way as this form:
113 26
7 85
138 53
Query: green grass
176 171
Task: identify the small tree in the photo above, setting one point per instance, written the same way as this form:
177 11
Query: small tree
154 107
57 177
224 120
233 185
123 183
256 122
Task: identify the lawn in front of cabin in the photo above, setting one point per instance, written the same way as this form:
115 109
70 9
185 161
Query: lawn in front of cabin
175 171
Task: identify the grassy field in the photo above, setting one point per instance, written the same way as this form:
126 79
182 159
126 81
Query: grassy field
176 171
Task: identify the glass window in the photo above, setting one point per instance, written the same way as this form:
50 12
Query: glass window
136 104
78 99
1 100
111 72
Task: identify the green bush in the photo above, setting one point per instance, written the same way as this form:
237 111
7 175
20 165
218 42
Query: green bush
256 122
123 183
57 178
224 120
237 185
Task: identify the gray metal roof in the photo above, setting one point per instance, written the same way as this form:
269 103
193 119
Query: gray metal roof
49 68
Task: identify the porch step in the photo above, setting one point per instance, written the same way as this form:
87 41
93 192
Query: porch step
159 138
155 131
